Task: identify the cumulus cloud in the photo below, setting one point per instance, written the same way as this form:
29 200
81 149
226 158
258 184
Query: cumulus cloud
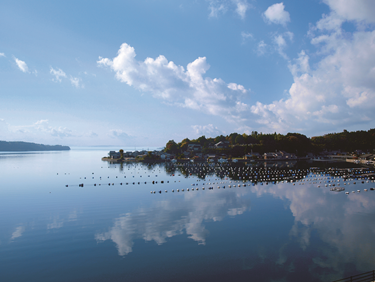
280 42
216 8
33 132
235 86
39 128
76 82
245 36
172 83
121 135
21 65
339 91
353 10
241 7
2 55
262 48
58 74
43 126
208 130
336 91
276 14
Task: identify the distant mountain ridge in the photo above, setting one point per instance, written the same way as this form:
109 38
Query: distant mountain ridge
27 146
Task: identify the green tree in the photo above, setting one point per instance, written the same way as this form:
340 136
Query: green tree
171 147
184 144
239 140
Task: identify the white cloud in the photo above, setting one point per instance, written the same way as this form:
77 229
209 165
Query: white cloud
262 48
207 130
276 14
43 126
58 74
2 55
339 92
241 7
281 44
21 65
121 135
245 36
172 83
330 22
215 8
353 10
76 82
237 87
35 132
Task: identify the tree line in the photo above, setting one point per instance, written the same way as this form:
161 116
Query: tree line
296 143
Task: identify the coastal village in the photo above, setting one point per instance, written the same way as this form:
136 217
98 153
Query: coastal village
357 147
194 153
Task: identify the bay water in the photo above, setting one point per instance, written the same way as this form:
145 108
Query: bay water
115 228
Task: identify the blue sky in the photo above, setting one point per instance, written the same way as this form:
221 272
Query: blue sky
139 73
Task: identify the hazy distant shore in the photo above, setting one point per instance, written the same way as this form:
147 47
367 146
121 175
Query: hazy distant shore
27 146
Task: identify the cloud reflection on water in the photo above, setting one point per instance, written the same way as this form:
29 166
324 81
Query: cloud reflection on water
343 222
173 217
332 229
17 233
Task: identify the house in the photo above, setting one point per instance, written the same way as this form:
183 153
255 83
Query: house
286 155
194 148
367 157
212 158
114 155
222 145
165 156
252 156
268 156
211 145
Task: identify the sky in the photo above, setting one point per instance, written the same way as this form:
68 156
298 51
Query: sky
140 73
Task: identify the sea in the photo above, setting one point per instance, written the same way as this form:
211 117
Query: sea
69 216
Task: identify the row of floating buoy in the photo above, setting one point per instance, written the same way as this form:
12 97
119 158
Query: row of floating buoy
253 182
270 174
127 183
358 191
196 189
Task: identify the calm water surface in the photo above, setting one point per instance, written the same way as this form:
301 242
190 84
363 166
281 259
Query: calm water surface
274 232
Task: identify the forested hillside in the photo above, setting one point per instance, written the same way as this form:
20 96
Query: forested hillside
240 144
